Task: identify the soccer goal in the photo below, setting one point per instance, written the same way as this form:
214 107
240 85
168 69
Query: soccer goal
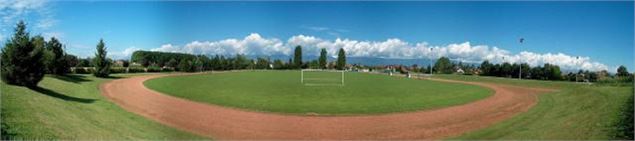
318 77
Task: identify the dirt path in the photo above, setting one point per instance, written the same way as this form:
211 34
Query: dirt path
227 123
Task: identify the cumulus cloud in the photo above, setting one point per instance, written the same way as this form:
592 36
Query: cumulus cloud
253 44
394 48
125 54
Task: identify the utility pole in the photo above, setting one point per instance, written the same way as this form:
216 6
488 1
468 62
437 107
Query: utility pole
520 64
430 63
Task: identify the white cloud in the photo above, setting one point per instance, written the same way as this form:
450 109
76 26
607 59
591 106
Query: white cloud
254 44
125 54
36 13
167 48
46 23
48 35
12 10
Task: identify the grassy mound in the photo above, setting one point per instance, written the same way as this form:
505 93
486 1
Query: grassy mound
577 112
71 107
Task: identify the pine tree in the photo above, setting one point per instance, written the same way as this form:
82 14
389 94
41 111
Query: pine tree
297 58
100 62
322 61
341 59
22 61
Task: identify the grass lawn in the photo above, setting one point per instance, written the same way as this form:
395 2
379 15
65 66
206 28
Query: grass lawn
576 112
72 107
282 92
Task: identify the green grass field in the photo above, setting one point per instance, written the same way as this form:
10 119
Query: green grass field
282 92
576 112
72 108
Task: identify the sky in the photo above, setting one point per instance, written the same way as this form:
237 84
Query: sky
573 35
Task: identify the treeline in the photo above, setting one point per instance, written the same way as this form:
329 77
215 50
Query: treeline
545 72
25 59
194 63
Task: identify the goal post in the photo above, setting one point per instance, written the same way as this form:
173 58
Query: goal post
320 77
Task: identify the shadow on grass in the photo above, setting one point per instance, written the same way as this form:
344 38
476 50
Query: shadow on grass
62 96
74 78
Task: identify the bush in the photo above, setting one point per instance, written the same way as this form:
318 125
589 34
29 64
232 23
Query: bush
136 70
167 70
117 70
153 68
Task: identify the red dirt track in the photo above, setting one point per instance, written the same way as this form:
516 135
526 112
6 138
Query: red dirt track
229 123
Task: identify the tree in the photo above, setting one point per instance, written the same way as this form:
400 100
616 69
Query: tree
241 62
622 72
506 70
443 65
100 62
341 59
278 64
172 63
297 58
126 63
72 60
322 60
290 64
186 66
486 68
57 63
86 62
146 58
551 72
262 63
22 62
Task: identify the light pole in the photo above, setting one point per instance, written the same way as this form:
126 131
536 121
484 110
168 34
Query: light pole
520 62
430 62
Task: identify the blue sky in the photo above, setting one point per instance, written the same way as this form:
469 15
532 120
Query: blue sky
587 35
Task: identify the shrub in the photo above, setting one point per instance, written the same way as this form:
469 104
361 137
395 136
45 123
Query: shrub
153 68
136 70
117 70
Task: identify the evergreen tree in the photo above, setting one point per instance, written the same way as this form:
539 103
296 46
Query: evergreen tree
341 59
100 62
22 62
297 58
57 62
322 60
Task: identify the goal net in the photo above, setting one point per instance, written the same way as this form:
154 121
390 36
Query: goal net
317 77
